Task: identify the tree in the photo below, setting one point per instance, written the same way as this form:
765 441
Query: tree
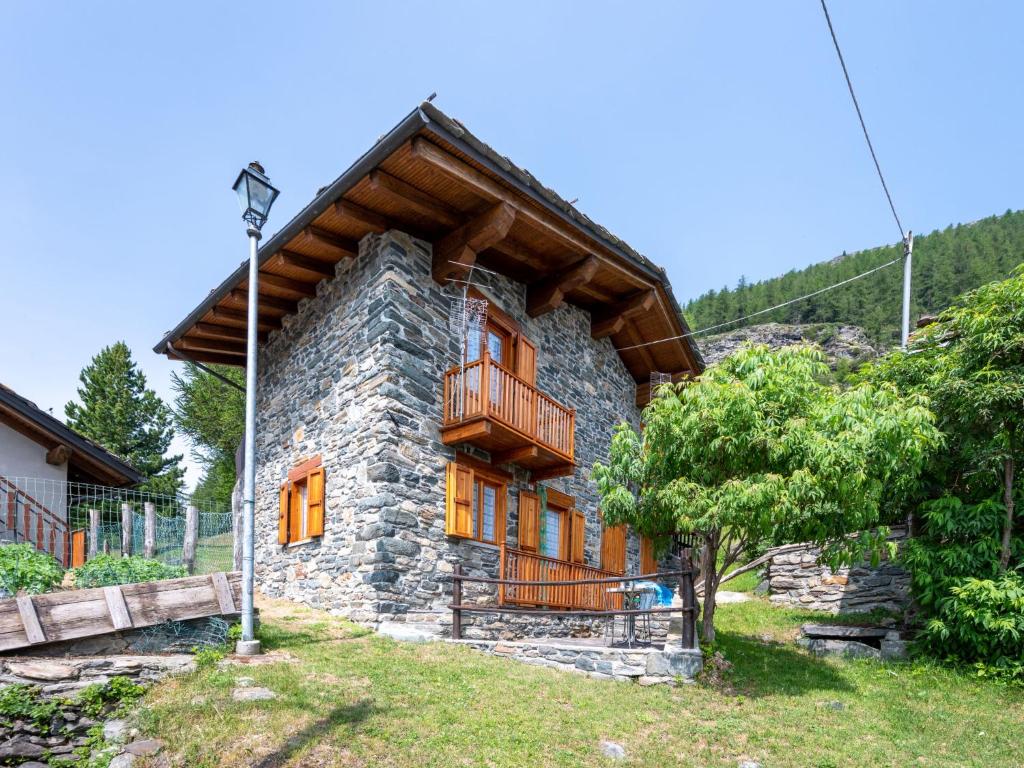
212 415
121 414
764 448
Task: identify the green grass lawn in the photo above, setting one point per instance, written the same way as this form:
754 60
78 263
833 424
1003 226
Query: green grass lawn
350 698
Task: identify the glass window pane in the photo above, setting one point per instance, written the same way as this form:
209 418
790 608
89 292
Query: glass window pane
473 344
552 533
304 510
490 504
476 510
494 346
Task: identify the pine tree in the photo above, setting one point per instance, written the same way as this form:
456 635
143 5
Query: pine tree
121 414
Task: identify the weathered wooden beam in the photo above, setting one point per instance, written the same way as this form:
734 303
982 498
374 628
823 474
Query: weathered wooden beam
30 620
558 470
58 455
413 198
611 321
548 294
515 454
372 220
223 591
288 284
117 607
264 323
458 249
339 245
321 269
267 301
215 331
188 343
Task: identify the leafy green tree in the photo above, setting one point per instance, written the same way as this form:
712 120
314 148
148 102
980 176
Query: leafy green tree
120 413
212 414
765 448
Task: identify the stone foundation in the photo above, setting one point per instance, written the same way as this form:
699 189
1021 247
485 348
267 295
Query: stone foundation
65 675
796 579
644 665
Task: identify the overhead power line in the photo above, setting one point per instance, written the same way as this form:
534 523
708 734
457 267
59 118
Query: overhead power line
764 311
860 117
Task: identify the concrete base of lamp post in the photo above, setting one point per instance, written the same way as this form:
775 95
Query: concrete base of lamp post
248 648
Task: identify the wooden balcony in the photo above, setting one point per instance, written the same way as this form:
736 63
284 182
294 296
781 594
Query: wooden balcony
488 406
517 565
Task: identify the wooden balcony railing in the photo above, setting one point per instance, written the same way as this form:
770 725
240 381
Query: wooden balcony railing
25 519
483 389
517 565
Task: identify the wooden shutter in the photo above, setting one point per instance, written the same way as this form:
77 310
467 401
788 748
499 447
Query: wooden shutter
526 361
648 563
613 549
282 514
295 512
529 521
458 513
315 502
576 538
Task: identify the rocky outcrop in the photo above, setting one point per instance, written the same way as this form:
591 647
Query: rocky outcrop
838 342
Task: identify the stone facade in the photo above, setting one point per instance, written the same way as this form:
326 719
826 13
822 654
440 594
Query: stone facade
795 578
356 376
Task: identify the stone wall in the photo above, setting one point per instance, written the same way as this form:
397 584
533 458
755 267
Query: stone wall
795 578
357 377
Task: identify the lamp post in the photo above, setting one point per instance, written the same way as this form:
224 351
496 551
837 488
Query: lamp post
255 196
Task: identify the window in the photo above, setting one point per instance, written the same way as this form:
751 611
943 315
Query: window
551 546
555 530
301 510
475 501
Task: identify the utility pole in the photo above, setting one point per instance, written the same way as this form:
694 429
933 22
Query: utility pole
908 257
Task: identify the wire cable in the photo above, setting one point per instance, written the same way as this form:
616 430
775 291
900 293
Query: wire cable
860 117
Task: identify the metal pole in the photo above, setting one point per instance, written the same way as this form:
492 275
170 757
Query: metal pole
908 257
248 645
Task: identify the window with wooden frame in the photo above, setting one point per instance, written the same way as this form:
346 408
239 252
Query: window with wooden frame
505 343
301 507
556 529
475 501
613 548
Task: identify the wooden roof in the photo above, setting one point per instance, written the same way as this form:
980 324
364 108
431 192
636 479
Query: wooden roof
431 178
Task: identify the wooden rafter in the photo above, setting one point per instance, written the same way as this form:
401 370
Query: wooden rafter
416 199
458 249
217 331
288 284
612 321
188 343
341 247
321 269
264 323
375 222
266 301
549 294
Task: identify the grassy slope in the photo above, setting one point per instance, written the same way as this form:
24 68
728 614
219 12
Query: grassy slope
353 699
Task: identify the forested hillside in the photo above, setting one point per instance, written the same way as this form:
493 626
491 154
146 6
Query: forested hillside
946 263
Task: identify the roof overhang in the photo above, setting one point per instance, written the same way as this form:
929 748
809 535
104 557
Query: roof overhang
432 179
86 457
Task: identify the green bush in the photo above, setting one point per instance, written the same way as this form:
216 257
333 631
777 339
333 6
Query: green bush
107 570
25 568
981 623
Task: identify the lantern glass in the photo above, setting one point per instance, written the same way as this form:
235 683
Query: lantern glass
255 194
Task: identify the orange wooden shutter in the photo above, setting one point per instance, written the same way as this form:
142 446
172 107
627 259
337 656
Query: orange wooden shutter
526 361
282 514
295 512
458 514
648 563
579 527
315 502
529 521
613 549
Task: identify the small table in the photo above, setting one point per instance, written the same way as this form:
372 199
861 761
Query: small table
630 601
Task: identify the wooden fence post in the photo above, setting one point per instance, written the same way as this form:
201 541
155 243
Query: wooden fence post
688 597
127 520
188 545
94 532
149 541
457 600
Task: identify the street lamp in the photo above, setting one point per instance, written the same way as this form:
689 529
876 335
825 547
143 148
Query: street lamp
255 196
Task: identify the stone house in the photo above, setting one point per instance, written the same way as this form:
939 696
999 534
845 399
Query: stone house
394 443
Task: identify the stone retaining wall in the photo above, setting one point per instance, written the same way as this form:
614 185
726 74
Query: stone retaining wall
646 666
65 675
797 579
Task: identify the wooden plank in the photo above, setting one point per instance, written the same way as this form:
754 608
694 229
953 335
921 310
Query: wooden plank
29 620
187 343
610 321
289 284
413 198
549 294
118 609
458 249
337 244
372 220
316 267
263 323
266 301
223 591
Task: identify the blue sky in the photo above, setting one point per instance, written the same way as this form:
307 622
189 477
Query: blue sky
715 137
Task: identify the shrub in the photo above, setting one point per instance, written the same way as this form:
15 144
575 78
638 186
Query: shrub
981 623
25 568
107 570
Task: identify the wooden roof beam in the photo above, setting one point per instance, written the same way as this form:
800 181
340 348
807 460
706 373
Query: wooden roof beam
264 323
548 294
288 284
217 331
458 249
339 246
188 343
266 301
372 220
413 198
321 269
612 321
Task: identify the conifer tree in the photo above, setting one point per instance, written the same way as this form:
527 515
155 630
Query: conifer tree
117 411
